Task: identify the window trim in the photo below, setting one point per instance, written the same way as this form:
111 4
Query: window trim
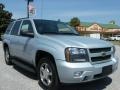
11 28
18 28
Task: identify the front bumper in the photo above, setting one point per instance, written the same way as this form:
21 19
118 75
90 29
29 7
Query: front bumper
88 72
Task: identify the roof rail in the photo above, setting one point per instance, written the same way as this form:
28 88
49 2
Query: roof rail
22 18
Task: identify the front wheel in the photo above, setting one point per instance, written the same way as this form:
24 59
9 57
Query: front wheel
7 56
47 74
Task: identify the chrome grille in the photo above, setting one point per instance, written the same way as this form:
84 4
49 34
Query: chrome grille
100 54
100 58
98 50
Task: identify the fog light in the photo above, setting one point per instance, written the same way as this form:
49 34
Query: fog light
87 78
78 74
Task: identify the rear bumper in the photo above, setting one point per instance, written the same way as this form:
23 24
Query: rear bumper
83 72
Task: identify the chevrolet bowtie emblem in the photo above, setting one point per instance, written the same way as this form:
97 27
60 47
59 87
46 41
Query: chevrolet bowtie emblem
103 54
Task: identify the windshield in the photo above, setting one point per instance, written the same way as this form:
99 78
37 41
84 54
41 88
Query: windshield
53 27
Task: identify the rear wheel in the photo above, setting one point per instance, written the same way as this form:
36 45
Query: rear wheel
47 74
7 56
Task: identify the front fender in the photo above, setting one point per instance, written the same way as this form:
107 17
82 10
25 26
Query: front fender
56 51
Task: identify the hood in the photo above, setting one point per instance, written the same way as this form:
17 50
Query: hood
78 41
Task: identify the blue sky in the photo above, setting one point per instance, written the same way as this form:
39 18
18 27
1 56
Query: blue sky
87 10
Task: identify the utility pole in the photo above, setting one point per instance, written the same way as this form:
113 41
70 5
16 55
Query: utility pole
28 2
28 8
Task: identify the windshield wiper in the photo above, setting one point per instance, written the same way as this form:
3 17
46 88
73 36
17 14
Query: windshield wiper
70 34
49 33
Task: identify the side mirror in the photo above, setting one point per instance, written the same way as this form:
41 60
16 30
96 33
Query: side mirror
27 34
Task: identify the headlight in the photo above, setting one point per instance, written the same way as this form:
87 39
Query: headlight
76 55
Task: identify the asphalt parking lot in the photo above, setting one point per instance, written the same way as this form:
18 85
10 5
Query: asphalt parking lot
15 78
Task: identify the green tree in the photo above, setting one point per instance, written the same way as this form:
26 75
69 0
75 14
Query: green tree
112 22
5 18
74 22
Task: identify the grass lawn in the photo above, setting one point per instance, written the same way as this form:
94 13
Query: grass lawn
116 42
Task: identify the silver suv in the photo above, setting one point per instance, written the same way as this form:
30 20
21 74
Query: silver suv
57 53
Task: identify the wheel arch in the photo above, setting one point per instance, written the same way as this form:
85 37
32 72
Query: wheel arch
40 54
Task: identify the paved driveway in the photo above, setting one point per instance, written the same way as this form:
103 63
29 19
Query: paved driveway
15 78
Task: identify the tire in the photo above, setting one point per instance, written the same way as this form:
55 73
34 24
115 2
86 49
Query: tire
47 74
7 56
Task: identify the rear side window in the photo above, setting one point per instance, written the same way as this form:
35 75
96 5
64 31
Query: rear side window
9 28
26 27
15 28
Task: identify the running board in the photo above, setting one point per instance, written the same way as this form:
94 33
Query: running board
23 65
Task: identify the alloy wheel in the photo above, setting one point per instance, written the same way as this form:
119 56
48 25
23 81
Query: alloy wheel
46 74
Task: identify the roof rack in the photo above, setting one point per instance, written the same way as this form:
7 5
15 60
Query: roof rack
23 18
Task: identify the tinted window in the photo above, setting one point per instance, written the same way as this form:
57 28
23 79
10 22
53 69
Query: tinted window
9 28
15 28
53 27
26 27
